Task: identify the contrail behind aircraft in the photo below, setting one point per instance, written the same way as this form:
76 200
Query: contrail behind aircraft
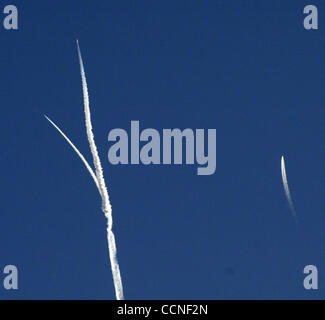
98 178
93 175
106 205
286 188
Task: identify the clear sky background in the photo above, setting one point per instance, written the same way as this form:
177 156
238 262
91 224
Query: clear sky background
246 68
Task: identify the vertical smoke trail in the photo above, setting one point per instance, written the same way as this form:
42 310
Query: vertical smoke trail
286 188
106 206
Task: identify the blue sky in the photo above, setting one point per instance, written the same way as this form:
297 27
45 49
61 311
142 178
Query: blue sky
245 68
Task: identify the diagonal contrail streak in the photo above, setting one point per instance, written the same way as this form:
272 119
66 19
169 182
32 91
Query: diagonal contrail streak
286 188
77 151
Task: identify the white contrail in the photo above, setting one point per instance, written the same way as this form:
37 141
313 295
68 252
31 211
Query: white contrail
77 151
286 188
106 206
99 181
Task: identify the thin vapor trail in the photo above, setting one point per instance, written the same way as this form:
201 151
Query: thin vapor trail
286 188
98 178
77 151
106 205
